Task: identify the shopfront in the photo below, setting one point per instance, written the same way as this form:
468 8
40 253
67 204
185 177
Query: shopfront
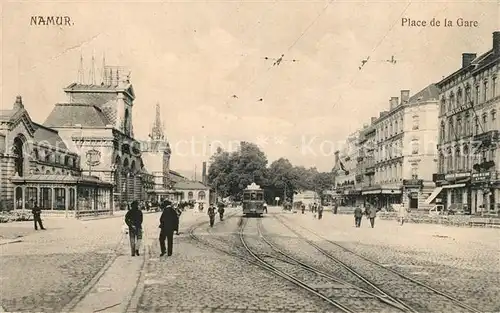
64 194
485 193
411 192
383 197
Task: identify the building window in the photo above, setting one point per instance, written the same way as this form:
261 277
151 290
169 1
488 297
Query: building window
452 101
467 126
476 96
493 87
466 157
190 195
459 97
459 126
450 129
396 129
416 122
441 162
35 154
201 196
457 159
485 91
414 171
443 106
493 117
485 121
60 198
442 132
414 146
476 125
468 99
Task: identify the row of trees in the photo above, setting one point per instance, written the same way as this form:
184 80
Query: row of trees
231 172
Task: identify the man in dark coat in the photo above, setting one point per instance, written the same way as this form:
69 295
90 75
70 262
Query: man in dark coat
221 210
372 213
358 215
36 215
169 222
133 219
211 215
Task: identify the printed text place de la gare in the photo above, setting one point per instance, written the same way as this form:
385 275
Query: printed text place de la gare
51 20
434 22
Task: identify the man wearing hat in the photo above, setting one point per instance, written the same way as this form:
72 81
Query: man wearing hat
133 219
169 222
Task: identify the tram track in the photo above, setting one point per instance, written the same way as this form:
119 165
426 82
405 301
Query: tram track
409 281
273 268
381 296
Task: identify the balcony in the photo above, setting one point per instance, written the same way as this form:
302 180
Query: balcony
487 138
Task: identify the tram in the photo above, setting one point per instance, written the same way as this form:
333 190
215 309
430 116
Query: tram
253 200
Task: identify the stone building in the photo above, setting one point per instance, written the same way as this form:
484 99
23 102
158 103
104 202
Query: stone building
97 123
467 177
37 166
346 187
405 153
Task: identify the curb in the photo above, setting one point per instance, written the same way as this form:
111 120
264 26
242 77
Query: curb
6 243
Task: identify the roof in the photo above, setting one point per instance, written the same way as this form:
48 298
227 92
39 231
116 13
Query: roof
5 115
122 86
61 179
430 92
190 185
176 177
71 114
48 135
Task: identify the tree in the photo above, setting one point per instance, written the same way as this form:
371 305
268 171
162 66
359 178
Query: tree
232 172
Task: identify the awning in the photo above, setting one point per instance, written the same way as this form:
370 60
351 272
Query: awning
433 195
453 186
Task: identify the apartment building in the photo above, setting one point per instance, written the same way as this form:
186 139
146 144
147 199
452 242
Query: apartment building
468 171
366 159
404 150
347 189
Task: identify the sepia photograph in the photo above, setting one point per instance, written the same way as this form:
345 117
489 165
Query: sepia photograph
250 156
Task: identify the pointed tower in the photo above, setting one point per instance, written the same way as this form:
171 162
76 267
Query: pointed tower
156 153
80 78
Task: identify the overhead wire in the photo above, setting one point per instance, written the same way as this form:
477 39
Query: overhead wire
314 21
353 79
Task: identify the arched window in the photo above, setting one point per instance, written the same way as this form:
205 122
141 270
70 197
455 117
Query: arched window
443 105
441 162
414 146
451 102
459 97
467 125
18 150
35 154
458 157
190 195
67 160
459 126
126 122
201 196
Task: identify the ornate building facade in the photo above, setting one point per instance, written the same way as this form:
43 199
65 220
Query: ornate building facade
97 123
36 166
469 142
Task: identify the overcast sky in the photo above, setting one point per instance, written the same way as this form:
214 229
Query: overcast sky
192 57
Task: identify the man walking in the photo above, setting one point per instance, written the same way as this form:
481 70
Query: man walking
211 215
169 222
372 213
36 215
402 214
358 215
221 211
133 219
320 211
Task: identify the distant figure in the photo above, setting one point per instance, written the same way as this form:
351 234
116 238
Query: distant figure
403 213
37 216
320 211
358 215
211 215
265 207
303 208
178 209
221 210
335 208
372 213
133 219
169 222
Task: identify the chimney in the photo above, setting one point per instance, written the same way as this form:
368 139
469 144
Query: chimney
394 102
204 173
19 103
405 96
467 59
374 118
496 43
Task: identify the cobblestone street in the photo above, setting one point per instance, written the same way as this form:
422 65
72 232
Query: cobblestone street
51 270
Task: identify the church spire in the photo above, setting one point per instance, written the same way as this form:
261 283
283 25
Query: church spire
157 129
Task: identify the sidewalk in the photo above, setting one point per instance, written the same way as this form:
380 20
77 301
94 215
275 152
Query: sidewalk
116 289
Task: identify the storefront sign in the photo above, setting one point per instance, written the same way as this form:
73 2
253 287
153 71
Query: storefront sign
455 176
93 157
413 182
459 109
481 177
